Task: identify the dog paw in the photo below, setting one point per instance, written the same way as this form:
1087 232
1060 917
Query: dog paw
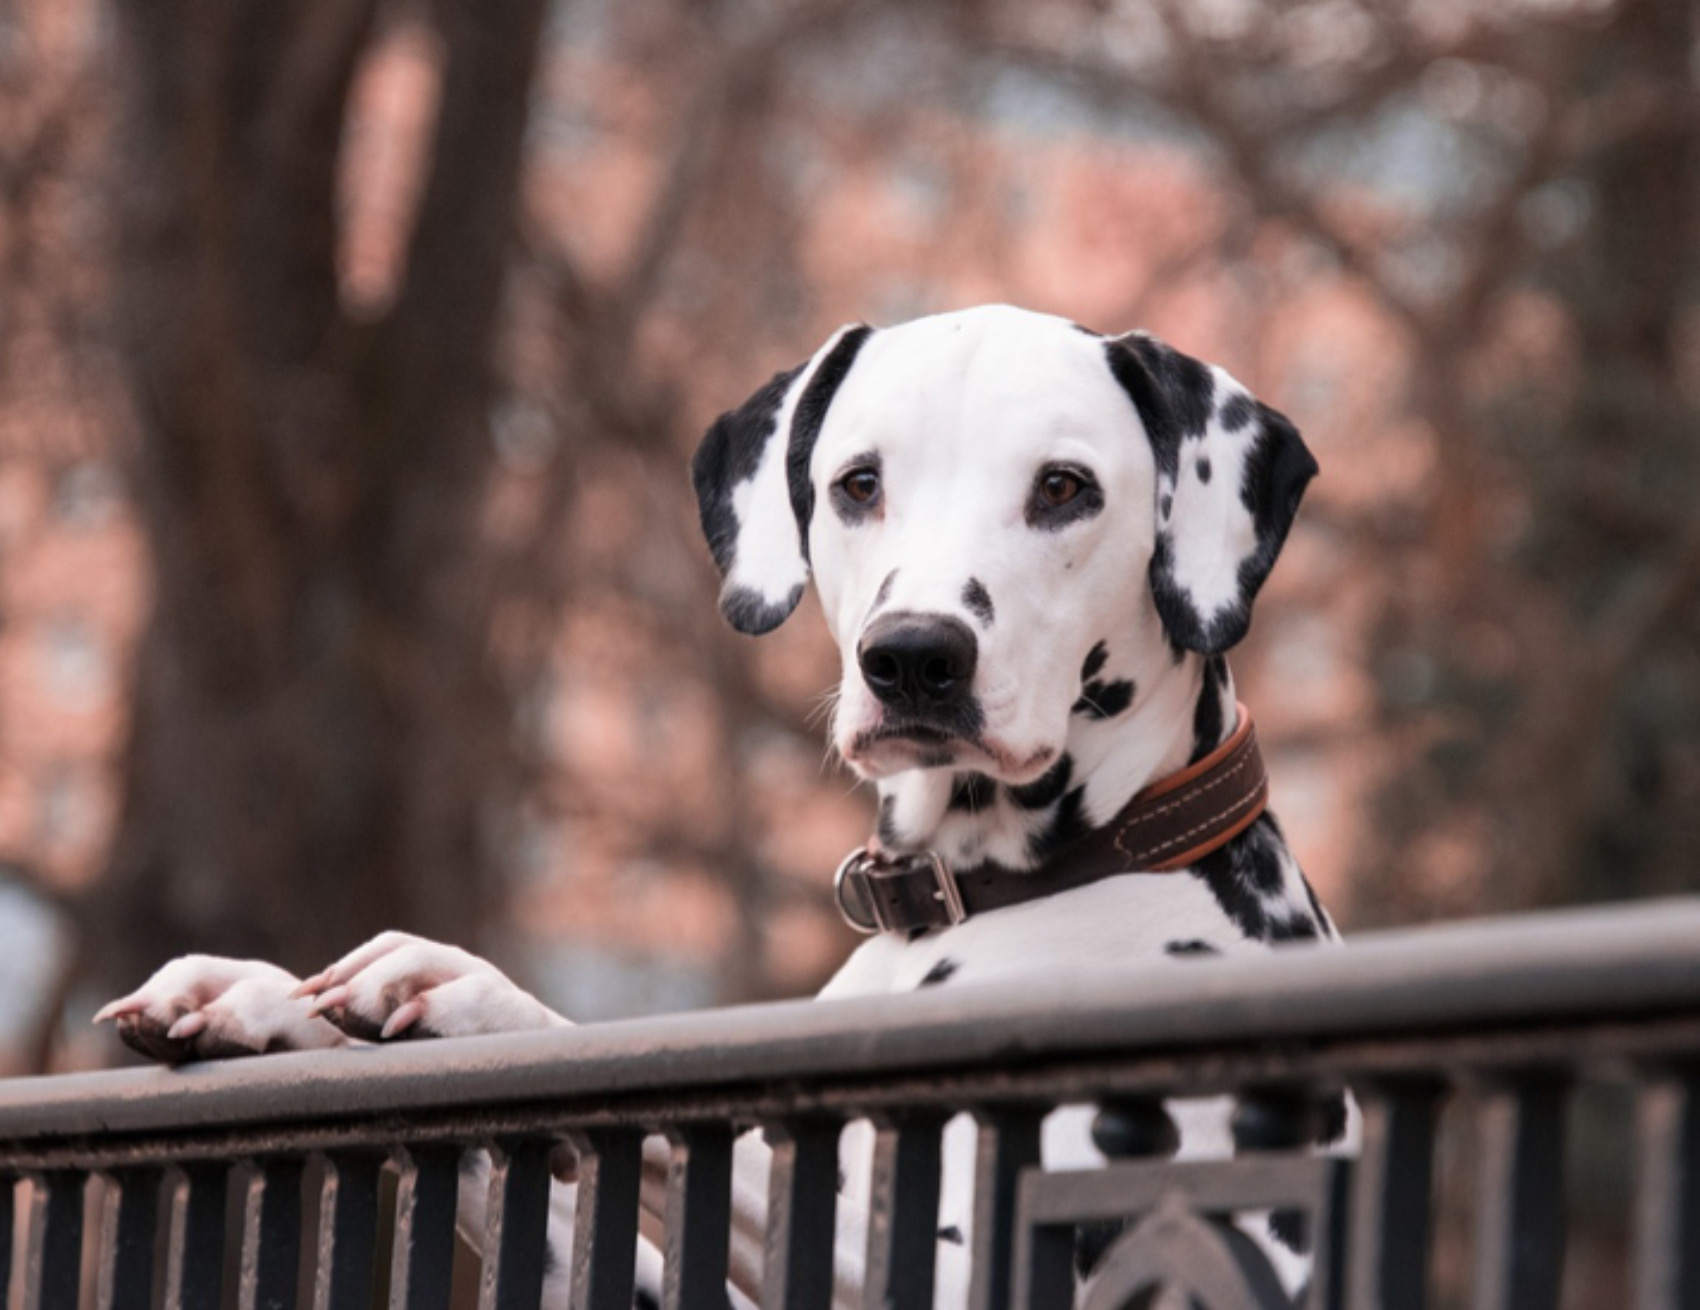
398 986
203 1007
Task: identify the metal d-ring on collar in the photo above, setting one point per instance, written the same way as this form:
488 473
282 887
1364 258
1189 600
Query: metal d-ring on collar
855 887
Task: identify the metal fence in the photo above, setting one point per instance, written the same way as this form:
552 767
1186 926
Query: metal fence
262 1180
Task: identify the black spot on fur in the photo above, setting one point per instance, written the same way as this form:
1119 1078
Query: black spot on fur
746 611
729 455
1315 906
1236 412
1245 877
952 1234
1104 700
887 825
1046 788
1171 391
1295 927
1067 825
1278 468
806 424
1289 1227
884 593
1203 467
1192 947
938 973
642 1300
973 792
979 602
1094 662
1207 724
1167 504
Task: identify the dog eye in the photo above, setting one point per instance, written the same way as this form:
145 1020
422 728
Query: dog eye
1059 486
861 485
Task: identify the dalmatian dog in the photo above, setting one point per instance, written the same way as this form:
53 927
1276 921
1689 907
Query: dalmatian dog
1033 545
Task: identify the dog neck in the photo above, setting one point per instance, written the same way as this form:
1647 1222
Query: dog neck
1137 720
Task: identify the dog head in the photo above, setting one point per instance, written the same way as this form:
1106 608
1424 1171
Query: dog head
980 496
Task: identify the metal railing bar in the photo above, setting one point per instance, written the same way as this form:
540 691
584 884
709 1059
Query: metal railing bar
8 1212
1391 1198
698 1218
53 1254
802 1209
1667 1194
1519 1255
903 1215
1456 980
605 1227
1042 1275
348 1230
1138 1071
129 1217
271 1235
1008 1142
194 1252
1112 1193
516 1225
422 1259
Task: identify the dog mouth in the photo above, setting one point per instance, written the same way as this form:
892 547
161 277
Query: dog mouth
930 738
896 745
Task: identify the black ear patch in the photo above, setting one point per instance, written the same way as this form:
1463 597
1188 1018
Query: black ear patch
753 492
1230 474
730 452
805 427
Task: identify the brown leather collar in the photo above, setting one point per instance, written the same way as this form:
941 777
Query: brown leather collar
1173 823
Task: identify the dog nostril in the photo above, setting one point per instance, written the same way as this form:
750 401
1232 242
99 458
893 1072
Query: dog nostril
882 669
939 675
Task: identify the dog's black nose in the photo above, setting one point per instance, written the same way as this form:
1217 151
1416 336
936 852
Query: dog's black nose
918 662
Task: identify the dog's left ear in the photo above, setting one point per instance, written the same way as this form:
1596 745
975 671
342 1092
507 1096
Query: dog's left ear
753 491
1230 474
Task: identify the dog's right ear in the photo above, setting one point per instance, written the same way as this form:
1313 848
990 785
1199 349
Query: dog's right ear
753 491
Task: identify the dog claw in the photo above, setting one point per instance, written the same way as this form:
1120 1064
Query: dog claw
188 1026
406 1014
118 1009
310 986
329 999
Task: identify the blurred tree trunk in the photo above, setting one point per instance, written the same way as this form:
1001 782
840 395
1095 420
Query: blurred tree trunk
1574 764
319 733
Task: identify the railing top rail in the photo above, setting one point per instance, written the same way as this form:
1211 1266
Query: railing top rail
1639 960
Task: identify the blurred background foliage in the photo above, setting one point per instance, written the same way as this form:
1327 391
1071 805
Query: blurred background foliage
351 352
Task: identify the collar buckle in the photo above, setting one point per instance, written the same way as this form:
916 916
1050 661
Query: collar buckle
858 883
